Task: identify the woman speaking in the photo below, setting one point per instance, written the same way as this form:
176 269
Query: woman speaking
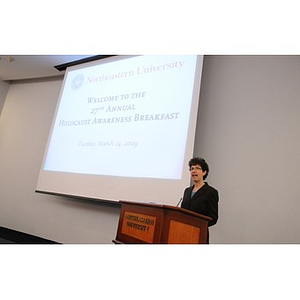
201 197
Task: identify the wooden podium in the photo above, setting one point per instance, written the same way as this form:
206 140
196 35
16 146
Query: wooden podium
146 223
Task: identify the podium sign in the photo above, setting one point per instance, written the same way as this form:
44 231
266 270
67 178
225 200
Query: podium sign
139 226
145 223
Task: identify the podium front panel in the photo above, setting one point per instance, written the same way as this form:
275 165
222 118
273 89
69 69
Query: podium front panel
182 233
144 223
139 224
181 227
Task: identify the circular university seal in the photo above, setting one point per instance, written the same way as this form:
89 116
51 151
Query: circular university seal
77 82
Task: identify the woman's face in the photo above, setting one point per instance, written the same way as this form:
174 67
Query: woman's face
197 173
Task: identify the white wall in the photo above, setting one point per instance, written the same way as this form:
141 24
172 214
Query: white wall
24 127
248 130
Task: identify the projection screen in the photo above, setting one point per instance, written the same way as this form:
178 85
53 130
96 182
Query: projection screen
124 129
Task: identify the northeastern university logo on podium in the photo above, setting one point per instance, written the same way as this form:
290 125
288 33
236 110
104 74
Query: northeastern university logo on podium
77 82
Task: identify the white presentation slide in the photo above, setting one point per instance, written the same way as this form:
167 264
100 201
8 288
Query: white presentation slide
124 128
125 118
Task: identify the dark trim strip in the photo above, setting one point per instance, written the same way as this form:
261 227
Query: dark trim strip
83 199
64 66
18 237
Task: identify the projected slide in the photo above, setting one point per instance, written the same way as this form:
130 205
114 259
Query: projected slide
127 118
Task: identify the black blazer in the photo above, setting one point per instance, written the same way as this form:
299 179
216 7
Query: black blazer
204 202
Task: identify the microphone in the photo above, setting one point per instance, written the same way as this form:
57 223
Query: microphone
179 202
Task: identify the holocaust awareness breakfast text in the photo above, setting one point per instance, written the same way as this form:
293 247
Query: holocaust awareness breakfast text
105 110
111 111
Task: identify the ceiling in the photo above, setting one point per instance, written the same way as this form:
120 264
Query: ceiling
17 67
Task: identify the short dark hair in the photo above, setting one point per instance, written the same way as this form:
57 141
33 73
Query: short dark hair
201 162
